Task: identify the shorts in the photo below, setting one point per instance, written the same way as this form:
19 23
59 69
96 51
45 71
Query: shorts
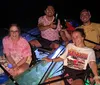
72 74
46 43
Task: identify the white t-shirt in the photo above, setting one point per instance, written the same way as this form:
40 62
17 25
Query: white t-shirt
77 57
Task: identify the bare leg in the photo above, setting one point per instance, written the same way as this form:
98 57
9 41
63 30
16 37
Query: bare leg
23 68
35 43
54 46
55 83
78 82
20 70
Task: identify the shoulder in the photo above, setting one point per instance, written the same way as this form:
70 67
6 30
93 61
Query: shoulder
95 23
70 45
96 26
5 38
23 39
23 42
89 49
42 17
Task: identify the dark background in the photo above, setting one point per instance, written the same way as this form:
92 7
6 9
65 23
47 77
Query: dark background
26 12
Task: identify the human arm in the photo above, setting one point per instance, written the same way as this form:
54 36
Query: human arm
53 60
11 61
6 51
97 47
93 67
64 33
25 53
44 25
21 62
58 59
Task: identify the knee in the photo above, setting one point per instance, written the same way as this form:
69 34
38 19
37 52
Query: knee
22 69
54 46
32 42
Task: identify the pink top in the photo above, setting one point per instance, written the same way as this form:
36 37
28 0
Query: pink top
50 34
17 50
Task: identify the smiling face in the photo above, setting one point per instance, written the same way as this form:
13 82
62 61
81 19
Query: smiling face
50 11
85 16
14 32
77 38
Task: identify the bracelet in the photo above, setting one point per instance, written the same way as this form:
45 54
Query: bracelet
96 77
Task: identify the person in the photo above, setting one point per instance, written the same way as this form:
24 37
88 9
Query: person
92 30
76 59
65 36
17 51
49 30
66 32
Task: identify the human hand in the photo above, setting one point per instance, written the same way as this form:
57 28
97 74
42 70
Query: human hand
14 65
47 59
63 30
52 25
97 81
97 47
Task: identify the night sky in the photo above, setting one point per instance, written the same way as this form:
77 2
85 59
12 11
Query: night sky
26 12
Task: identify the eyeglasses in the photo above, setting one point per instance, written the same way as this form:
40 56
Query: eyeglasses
14 31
